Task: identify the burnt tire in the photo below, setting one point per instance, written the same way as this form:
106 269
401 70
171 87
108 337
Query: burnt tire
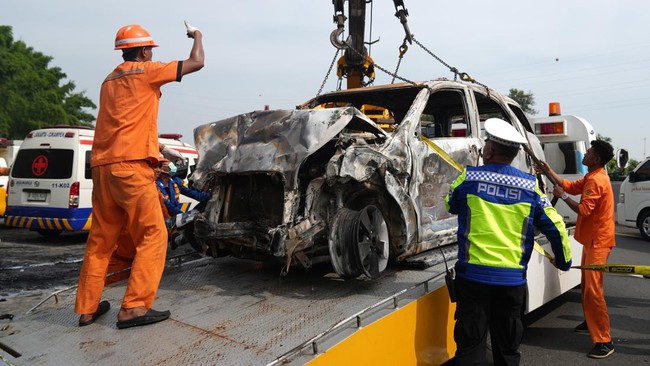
359 242
341 240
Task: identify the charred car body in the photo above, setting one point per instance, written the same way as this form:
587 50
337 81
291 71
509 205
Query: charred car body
325 182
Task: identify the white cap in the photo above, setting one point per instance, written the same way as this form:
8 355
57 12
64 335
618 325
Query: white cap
503 133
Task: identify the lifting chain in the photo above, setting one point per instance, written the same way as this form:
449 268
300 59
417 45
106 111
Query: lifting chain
402 50
394 75
463 75
327 75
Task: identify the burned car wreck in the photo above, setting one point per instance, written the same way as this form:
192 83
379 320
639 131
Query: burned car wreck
355 177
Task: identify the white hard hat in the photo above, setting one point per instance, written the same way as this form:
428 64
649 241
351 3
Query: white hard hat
503 133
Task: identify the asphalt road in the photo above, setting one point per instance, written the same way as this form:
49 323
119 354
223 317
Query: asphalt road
31 262
32 267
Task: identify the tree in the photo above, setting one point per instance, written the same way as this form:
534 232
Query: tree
604 138
616 173
525 100
32 94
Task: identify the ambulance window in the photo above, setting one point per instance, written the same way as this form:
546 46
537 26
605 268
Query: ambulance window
87 171
43 164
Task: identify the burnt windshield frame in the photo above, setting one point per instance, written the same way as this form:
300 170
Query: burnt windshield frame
521 116
444 108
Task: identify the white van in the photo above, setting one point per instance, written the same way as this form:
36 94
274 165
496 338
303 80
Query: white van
50 182
633 208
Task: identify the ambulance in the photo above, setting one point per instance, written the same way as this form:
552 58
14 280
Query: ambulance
50 182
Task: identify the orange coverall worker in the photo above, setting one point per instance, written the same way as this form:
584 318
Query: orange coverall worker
125 198
124 253
595 230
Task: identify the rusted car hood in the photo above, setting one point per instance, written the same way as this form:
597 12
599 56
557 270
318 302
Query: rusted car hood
271 141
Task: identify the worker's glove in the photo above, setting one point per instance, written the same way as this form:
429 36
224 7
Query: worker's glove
171 154
190 29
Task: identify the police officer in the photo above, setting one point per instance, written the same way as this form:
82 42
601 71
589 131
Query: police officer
171 188
498 207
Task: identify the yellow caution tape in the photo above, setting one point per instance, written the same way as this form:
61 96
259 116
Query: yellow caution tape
446 157
607 268
543 252
617 268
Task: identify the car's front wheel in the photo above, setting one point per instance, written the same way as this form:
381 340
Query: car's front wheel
359 242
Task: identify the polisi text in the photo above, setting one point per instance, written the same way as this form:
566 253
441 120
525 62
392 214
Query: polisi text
499 191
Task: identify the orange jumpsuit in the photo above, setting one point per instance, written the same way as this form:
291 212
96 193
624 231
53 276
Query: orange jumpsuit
123 255
125 198
595 230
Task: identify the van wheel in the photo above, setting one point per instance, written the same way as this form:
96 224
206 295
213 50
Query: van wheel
644 225
49 234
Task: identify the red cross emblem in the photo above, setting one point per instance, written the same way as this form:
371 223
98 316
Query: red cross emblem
39 165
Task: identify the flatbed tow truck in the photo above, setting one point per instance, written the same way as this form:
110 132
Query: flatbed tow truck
231 311
235 312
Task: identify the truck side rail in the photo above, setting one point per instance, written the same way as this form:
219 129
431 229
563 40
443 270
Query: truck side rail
355 321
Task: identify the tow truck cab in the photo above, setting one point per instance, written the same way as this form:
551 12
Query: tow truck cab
565 140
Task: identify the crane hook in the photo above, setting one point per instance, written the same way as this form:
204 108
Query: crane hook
336 41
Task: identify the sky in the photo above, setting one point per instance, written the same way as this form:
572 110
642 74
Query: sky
592 56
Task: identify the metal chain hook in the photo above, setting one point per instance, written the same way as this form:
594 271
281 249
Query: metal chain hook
339 43
402 50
